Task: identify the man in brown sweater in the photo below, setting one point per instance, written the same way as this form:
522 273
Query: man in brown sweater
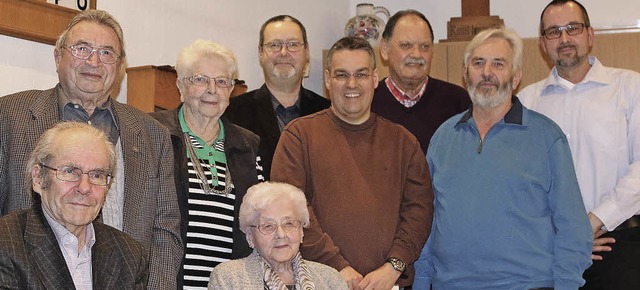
366 178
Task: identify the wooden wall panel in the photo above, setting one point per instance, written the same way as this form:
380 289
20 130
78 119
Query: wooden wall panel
612 49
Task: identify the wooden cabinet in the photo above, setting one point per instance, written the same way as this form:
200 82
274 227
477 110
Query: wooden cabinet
152 88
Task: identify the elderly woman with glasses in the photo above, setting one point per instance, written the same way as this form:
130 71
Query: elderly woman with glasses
272 215
215 161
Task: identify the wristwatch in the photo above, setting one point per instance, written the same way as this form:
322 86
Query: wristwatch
397 264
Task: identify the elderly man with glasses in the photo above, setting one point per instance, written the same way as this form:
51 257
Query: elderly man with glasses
56 244
142 200
284 56
598 108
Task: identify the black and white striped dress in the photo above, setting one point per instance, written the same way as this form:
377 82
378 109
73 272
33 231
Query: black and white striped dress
210 230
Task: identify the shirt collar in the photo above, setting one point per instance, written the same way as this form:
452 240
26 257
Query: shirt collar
61 233
400 95
185 128
513 116
275 103
63 101
595 75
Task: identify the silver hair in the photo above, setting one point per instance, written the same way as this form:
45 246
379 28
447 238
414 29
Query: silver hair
260 196
96 16
44 151
200 48
503 33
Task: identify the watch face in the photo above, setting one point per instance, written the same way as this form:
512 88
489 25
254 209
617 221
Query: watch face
397 264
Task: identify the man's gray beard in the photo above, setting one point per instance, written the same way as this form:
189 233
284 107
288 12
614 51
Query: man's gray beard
487 102
570 63
289 73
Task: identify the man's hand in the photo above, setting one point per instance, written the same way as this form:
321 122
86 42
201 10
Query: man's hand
352 277
382 278
599 244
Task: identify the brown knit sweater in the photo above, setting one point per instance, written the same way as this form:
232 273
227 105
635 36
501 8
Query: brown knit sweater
368 188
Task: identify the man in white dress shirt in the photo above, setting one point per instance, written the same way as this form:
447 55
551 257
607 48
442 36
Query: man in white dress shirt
598 108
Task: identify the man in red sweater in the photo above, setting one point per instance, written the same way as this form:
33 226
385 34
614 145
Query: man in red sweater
365 177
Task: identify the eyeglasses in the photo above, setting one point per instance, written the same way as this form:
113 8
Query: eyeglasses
571 29
73 174
221 82
276 46
269 228
84 52
344 77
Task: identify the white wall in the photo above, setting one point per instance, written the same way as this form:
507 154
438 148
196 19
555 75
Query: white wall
155 30
521 15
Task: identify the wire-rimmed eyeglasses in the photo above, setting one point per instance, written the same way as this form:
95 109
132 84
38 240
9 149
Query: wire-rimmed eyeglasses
343 76
276 46
73 174
202 80
84 52
270 228
556 32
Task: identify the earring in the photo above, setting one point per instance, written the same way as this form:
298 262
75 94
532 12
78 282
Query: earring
301 239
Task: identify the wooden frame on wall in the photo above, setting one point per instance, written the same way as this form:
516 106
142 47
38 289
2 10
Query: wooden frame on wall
35 20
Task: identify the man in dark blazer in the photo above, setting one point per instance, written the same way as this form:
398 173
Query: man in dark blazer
54 244
142 201
284 56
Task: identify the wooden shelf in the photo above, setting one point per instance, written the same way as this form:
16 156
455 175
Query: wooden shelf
150 88
35 20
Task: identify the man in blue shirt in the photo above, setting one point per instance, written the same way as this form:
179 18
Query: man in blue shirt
508 212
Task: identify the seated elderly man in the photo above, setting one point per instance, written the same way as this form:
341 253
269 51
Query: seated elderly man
55 244
272 216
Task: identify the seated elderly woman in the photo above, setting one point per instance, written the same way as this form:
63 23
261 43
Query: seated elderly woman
272 216
215 161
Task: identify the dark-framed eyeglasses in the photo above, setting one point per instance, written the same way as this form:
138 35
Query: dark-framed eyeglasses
287 226
571 29
202 80
84 52
344 77
73 174
276 46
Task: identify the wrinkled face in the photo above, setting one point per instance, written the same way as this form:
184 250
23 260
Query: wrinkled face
208 101
73 204
88 79
409 51
282 245
490 77
567 51
283 65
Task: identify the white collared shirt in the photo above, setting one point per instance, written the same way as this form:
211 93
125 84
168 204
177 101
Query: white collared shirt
78 261
601 117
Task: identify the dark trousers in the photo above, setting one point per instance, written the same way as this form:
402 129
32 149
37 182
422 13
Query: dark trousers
620 268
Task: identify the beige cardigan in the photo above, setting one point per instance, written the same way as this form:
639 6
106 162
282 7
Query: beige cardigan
247 274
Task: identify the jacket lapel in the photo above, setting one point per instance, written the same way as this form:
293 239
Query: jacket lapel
132 140
44 253
267 116
104 263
